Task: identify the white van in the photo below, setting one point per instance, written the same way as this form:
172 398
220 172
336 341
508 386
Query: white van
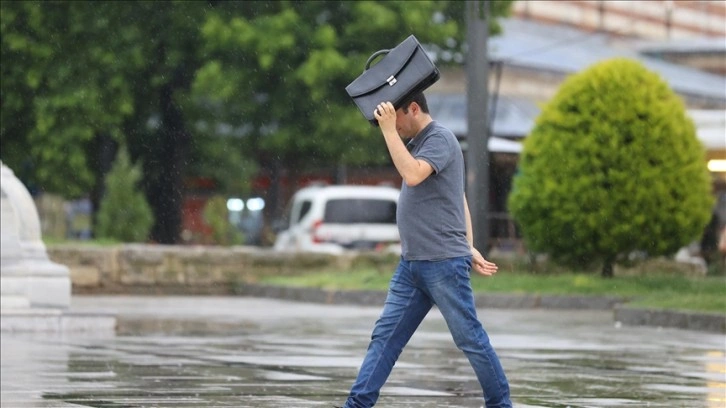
331 219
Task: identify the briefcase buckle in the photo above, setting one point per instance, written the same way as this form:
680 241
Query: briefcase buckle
391 80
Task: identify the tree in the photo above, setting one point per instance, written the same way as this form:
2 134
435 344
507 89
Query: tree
216 216
63 84
80 78
124 214
280 69
611 168
170 60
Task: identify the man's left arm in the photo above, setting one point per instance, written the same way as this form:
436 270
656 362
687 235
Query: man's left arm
412 170
478 263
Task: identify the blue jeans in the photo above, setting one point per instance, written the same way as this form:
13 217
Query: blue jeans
415 287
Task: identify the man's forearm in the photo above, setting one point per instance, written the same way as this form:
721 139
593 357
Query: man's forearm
469 228
408 166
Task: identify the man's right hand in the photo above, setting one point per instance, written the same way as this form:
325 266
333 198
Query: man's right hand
385 114
481 265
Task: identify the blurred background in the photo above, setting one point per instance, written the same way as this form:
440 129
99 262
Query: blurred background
226 109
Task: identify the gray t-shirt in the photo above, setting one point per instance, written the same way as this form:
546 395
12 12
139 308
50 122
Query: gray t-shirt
430 215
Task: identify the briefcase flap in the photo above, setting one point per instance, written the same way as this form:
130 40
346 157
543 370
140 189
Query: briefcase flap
381 73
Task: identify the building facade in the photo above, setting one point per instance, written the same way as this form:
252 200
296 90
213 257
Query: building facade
644 19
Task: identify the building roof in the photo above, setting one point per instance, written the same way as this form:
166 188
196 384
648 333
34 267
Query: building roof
711 127
715 45
514 117
566 49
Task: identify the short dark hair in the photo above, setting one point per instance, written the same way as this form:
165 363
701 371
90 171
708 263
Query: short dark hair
420 99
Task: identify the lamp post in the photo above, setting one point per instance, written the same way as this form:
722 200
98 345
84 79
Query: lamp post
477 92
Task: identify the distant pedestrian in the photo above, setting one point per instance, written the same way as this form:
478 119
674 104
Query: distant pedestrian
437 255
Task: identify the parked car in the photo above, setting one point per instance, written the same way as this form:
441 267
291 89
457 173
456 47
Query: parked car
331 219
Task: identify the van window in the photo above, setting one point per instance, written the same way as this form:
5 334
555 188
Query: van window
354 211
299 211
305 209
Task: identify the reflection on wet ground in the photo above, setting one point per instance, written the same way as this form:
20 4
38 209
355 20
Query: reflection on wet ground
244 352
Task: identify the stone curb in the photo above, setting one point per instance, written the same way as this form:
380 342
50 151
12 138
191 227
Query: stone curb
314 295
53 320
375 298
710 322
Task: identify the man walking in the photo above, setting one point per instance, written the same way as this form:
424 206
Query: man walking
437 255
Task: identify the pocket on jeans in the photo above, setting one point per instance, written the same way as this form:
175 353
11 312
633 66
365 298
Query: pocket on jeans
461 268
435 272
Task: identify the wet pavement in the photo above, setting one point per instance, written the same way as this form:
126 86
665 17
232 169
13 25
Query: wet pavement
250 352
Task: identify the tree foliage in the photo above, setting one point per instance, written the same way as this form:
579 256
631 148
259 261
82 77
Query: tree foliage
62 84
282 68
209 89
124 214
216 216
612 167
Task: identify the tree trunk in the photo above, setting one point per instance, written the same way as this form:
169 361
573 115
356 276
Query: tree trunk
274 206
168 193
607 268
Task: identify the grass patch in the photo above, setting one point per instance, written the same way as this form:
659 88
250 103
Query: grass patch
366 278
88 242
666 291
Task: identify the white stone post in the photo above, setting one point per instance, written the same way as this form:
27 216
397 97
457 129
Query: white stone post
28 278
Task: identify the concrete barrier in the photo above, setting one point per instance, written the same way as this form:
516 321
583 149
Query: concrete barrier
711 322
141 268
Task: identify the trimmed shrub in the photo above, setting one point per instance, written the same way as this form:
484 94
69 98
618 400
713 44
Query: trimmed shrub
611 170
216 216
124 214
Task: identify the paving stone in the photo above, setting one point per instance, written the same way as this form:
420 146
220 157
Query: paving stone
263 353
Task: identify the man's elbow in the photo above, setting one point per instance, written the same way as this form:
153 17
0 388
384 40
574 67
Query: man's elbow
416 175
413 181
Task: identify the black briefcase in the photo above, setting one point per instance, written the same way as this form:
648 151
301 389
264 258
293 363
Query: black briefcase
403 72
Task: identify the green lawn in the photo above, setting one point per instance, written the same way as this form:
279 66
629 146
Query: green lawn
654 290
88 242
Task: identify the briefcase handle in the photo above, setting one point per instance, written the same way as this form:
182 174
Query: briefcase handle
372 57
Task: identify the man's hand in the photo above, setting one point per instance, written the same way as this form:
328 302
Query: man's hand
385 114
481 265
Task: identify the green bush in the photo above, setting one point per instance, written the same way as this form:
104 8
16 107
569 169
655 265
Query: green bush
124 213
216 216
611 169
